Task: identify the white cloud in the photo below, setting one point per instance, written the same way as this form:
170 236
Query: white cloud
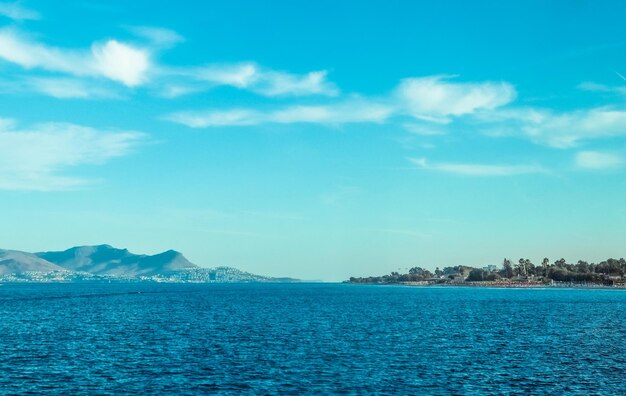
69 88
440 100
477 169
132 66
121 62
16 49
215 118
353 111
434 98
35 158
159 37
113 60
595 87
263 81
559 130
273 83
16 12
597 160
240 75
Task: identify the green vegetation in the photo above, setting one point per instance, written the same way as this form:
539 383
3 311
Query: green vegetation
609 272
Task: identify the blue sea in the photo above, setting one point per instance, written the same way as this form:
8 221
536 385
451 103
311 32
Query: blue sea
310 339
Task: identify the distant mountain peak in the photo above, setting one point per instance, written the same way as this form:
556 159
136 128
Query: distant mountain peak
16 262
96 247
108 260
171 252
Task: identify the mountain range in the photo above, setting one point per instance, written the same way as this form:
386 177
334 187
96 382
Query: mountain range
107 260
92 262
15 262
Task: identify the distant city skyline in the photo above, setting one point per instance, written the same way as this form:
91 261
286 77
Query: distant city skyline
315 140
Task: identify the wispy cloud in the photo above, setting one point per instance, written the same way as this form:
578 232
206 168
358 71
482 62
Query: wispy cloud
556 129
36 157
470 169
239 75
112 59
595 87
17 12
273 83
16 48
263 81
429 99
349 111
597 160
437 98
217 118
157 36
134 65
68 88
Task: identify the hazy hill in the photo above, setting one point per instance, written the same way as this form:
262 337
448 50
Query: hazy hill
95 263
16 262
107 260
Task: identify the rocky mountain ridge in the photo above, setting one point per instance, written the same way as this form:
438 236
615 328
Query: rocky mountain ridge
15 261
107 260
107 263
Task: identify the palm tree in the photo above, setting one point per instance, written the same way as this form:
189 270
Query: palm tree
528 265
545 263
520 266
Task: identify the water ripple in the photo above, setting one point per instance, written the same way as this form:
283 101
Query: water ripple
310 339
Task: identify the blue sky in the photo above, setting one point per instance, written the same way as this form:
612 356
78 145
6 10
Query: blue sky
316 140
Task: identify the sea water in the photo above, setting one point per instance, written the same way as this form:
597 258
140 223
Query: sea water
310 338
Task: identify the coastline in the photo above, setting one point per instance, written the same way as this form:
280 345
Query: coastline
497 286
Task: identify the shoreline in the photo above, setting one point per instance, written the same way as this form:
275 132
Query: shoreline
496 286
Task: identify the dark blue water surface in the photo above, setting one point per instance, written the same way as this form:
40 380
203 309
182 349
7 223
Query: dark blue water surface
310 338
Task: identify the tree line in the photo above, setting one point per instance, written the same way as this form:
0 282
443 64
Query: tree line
523 269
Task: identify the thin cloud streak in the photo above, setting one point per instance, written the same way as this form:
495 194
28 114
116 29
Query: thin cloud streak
470 169
595 87
353 111
252 77
595 160
17 12
562 130
71 88
35 158
157 36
